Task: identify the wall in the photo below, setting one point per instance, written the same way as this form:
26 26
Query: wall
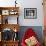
27 4
31 4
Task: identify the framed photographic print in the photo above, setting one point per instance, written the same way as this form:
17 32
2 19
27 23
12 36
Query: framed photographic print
5 12
30 13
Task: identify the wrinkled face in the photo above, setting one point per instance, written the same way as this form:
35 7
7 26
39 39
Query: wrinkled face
31 41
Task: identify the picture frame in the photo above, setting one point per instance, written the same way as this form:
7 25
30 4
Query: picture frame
30 13
13 12
5 12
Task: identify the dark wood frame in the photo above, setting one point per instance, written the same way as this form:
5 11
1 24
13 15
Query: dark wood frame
29 10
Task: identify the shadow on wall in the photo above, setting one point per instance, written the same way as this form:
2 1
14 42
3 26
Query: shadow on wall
37 29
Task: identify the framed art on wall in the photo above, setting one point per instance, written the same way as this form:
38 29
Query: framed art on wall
5 12
30 13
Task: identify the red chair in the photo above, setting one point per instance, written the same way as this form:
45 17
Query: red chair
29 33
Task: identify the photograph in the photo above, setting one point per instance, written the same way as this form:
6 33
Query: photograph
30 13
